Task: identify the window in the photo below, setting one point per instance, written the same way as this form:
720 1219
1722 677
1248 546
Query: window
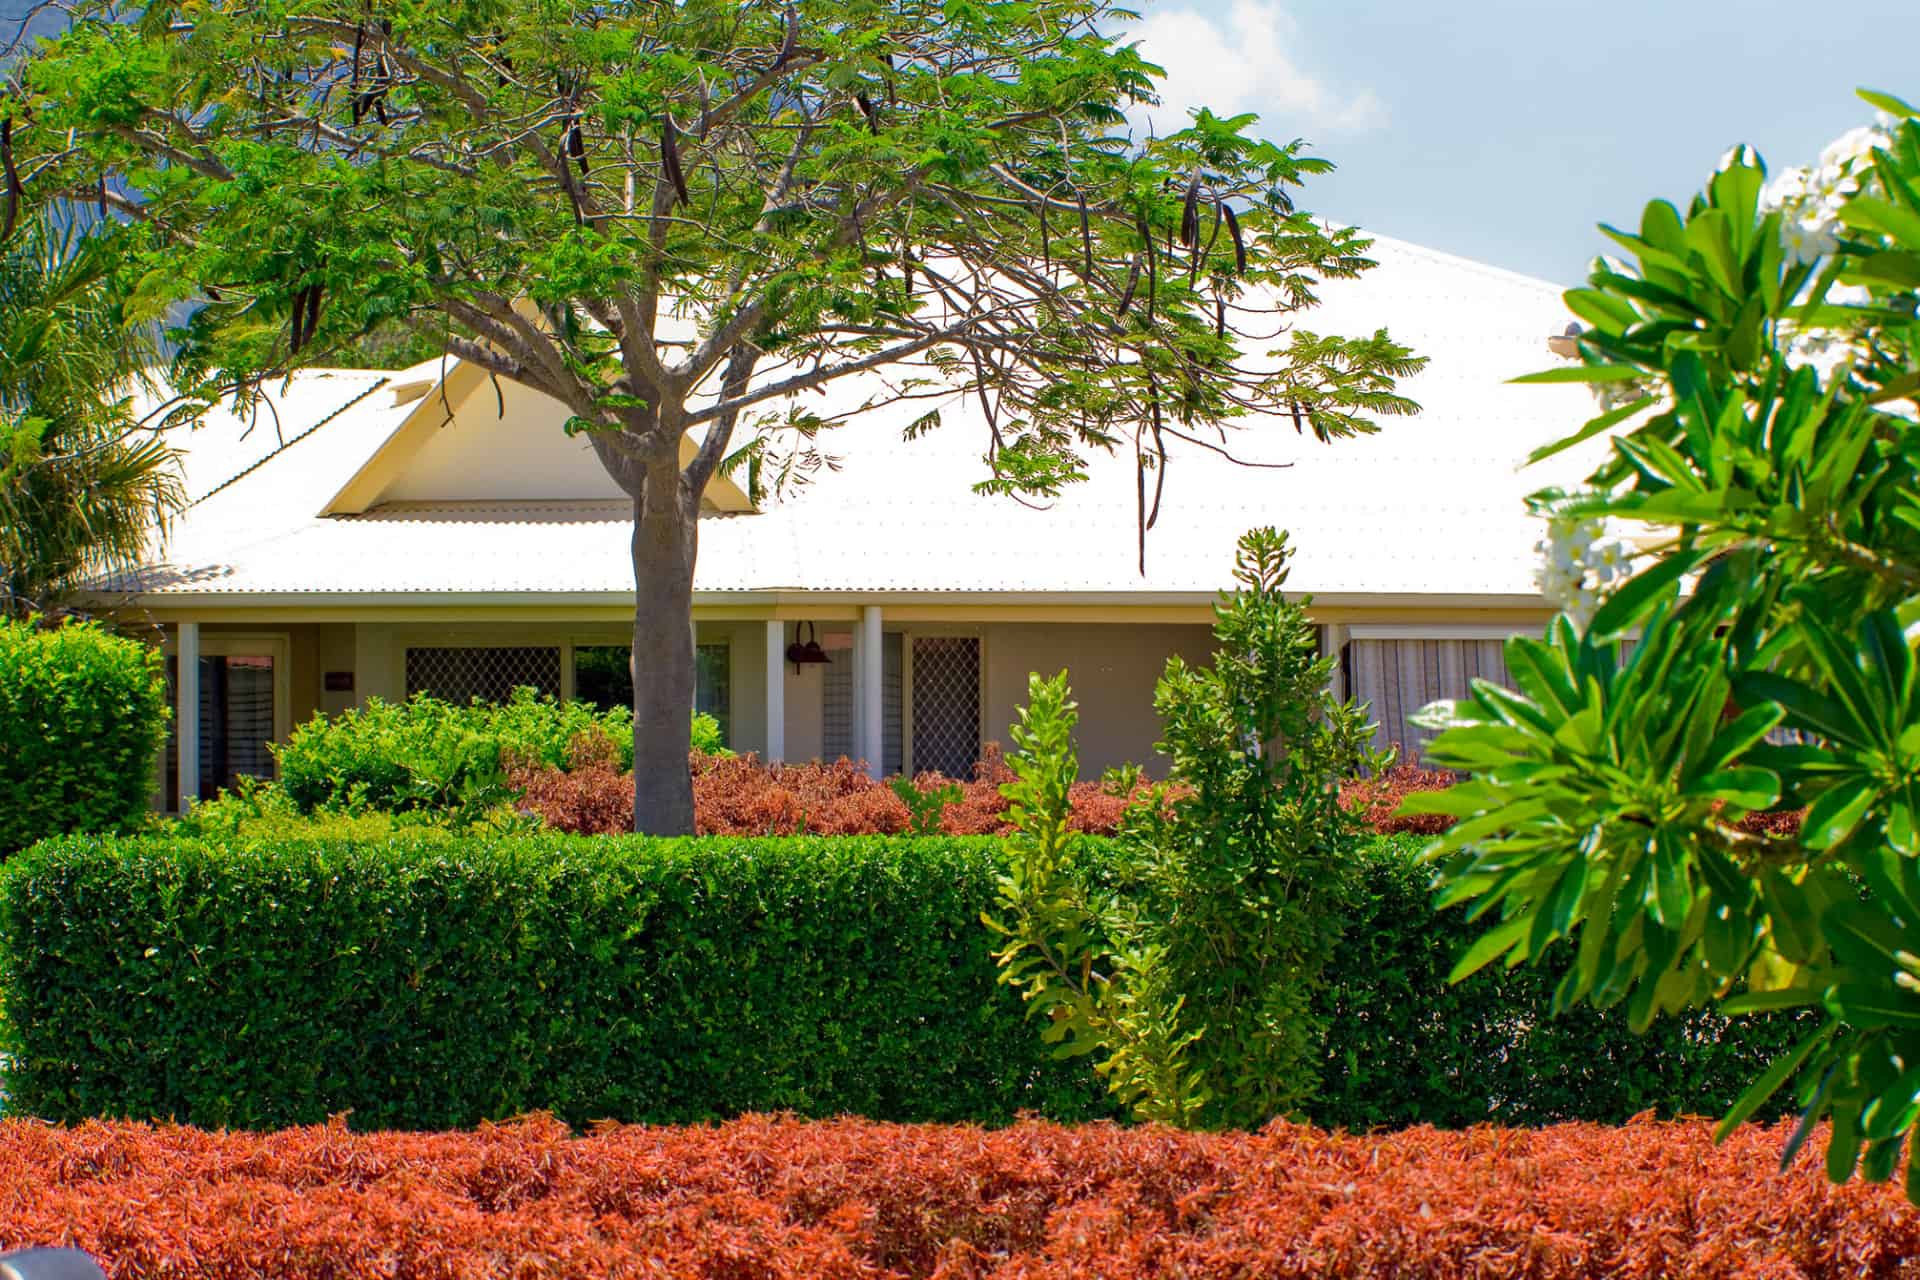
237 722
490 673
1397 677
713 685
603 676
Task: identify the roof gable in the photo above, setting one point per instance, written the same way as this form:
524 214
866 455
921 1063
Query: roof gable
470 438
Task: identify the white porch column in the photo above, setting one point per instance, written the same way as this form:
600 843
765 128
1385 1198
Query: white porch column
186 688
868 702
776 691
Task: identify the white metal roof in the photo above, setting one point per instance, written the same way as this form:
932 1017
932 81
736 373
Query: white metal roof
1431 508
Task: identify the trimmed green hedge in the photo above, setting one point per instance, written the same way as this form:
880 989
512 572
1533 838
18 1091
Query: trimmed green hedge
83 714
427 983
1404 1047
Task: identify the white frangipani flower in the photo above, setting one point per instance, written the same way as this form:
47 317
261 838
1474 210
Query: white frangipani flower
1579 563
1855 145
1808 238
1810 199
1789 186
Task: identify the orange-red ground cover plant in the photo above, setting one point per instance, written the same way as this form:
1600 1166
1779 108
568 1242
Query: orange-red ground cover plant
766 1199
740 796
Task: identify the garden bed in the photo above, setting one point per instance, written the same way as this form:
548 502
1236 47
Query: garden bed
766 1198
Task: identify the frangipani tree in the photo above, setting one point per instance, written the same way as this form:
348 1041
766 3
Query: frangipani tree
674 217
1767 457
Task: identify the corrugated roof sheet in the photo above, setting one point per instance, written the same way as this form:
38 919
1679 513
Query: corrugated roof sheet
1431 506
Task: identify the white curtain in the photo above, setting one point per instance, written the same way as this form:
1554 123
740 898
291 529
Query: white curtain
1398 677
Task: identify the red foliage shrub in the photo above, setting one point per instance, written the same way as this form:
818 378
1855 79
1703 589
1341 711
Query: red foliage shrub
739 796
765 1199
1377 798
589 797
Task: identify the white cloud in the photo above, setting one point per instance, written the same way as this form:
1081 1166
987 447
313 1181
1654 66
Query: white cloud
1241 61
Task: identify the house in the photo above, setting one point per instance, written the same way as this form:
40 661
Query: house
386 533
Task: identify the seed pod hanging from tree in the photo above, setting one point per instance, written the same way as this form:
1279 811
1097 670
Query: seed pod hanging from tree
296 335
670 160
576 145
11 212
1153 263
1086 233
1190 214
1239 243
1133 281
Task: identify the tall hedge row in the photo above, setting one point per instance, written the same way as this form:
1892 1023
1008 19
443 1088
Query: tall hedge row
432 985
82 716
1406 1047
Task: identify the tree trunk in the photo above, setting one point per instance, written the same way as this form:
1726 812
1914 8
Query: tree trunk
665 543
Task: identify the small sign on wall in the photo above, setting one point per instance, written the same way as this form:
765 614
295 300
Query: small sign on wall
337 682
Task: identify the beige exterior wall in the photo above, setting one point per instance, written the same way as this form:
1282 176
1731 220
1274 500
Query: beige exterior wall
1112 667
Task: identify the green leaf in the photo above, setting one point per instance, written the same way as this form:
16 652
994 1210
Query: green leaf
1769 1082
1744 788
1672 889
1893 106
1767 1001
1811 709
1596 426
1843 1145
1871 213
1489 947
1868 1006
1740 735
1583 373
1837 812
1794 925
1629 604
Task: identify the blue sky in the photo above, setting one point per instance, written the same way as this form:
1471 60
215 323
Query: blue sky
1503 130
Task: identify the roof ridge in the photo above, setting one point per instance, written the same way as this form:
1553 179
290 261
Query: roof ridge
1474 265
285 445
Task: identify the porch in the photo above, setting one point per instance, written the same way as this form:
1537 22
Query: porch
905 689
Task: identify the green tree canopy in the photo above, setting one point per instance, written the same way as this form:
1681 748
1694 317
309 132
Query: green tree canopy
672 218
84 484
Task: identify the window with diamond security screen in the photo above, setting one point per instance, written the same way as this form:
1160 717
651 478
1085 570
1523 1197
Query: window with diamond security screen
489 674
946 704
